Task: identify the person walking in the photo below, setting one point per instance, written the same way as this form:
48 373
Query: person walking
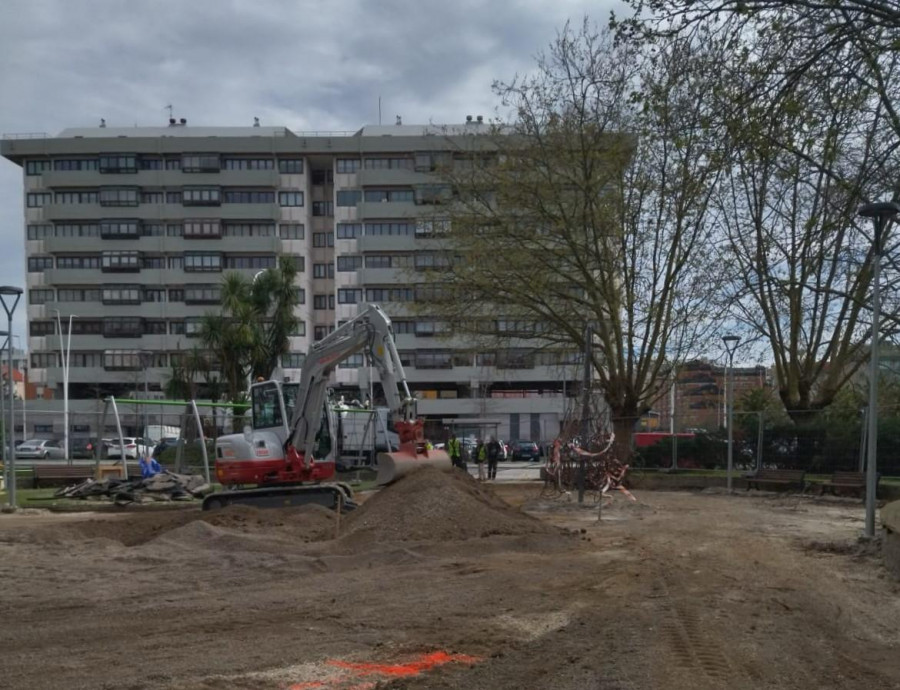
480 457
454 451
493 456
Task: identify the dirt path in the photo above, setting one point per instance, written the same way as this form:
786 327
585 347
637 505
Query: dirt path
679 591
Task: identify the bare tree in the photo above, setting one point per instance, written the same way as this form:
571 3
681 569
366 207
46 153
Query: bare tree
590 207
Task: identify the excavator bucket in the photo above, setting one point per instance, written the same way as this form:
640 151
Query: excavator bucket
392 466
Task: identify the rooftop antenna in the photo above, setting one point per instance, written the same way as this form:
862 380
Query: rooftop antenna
169 108
379 110
399 120
103 122
256 122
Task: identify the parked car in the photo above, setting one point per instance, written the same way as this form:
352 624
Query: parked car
82 448
135 448
525 450
164 444
41 449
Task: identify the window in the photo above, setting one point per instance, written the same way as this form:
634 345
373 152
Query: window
118 163
378 261
156 295
433 359
86 359
173 197
432 227
77 230
120 229
404 327
385 294
175 230
37 167
320 332
176 294
153 197
426 329
352 362
122 360
300 294
71 164
172 163
293 360
200 196
349 263
515 359
320 177
39 232
431 292
291 231
349 231
78 295
123 327
436 262
152 230
323 270
200 162
121 294
120 196
349 296
291 198
390 228
426 161
42 360
39 263
76 197
148 163
248 164
388 163
323 301
348 197
202 294
176 327
202 229
249 196
37 328
347 165
323 208
250 261
38 199
248 230
193 327
153 261
199 261
125 261
175 261
290 166
323 239
433 194
78 262
388 195
299 329
40 296
298 261
87 327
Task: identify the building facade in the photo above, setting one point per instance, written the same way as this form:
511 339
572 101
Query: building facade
129 231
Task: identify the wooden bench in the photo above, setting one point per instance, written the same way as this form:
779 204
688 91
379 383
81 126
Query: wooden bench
47 473
776 478
854 482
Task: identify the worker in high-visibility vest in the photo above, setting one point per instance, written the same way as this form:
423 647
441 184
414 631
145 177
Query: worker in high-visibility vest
453 450
480 458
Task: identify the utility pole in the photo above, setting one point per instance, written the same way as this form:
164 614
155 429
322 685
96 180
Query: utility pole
585 407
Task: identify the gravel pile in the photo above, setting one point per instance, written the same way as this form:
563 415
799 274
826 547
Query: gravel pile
431 505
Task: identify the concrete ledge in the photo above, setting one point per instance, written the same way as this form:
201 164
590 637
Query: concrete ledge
890 518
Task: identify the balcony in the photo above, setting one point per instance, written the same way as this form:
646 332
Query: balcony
54 179
58 212
387 210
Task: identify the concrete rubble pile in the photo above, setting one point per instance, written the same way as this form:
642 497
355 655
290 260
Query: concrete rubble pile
166 486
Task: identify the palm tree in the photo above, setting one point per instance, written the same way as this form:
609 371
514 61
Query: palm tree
251 331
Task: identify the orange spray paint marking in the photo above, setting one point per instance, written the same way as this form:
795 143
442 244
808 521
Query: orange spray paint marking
413 668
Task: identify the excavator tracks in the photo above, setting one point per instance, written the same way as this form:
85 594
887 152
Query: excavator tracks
333 495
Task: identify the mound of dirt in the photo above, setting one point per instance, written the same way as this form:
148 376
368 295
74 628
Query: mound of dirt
437 506
303 523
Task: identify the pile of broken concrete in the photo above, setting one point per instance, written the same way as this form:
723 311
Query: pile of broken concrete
165 486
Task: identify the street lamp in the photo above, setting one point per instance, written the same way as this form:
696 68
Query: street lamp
881 214
6 454
731 344
64 354
9 297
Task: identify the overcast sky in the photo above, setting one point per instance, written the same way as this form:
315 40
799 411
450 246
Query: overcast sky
303 64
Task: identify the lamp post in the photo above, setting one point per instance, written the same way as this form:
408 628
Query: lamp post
881 214
5 445
9 297
731 343
64 354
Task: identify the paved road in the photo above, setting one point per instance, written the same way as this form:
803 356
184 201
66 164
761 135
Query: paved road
512 471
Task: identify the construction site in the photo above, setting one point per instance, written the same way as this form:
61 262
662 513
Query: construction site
441 581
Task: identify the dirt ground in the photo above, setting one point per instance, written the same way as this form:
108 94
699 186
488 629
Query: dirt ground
438 583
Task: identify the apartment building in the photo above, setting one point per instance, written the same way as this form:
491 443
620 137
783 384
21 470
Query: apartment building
128 232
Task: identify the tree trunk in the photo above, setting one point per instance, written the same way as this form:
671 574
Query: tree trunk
623 427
